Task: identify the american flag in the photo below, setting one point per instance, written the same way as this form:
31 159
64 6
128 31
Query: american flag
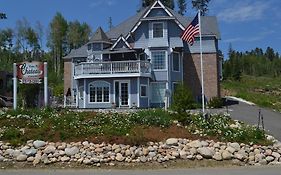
191 30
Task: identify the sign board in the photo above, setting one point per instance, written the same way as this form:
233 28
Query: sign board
30 72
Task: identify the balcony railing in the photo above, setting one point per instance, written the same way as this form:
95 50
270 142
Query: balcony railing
114 67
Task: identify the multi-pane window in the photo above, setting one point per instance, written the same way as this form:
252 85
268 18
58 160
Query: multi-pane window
176 62
158 30
99 92
158 60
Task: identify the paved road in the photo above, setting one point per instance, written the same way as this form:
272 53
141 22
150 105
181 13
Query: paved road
249 114
276 170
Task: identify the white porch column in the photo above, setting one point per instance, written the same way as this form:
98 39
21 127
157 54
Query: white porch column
84 93
15 86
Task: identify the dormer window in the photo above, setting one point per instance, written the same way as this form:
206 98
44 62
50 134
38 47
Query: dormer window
158 29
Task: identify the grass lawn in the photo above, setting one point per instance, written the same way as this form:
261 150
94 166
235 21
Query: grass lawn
16 127
263 91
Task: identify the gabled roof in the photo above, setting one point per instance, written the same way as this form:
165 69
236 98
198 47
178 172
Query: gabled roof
121 38
99 36
209 24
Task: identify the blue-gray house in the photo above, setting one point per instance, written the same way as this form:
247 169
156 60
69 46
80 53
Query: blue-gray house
137 62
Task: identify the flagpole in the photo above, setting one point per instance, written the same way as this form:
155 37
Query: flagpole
201 60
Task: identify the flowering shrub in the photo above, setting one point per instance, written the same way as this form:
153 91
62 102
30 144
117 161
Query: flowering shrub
47 124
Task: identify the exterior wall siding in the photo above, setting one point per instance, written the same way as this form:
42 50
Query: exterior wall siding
144 103
67 74
142 36
192 75
157 12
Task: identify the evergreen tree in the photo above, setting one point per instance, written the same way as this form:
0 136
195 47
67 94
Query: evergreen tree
201 5
182 7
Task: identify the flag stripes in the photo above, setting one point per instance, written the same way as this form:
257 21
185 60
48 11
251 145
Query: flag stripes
191 31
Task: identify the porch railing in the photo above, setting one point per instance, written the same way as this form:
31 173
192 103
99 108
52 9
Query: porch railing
114 67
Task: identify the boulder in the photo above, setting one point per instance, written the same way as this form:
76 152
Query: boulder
30 152
119 157
38 143
21 157
276 155
71 151
217 156
269 158
235 145
195 144
230 149
206 152
65 159
226 155
172 142
49 149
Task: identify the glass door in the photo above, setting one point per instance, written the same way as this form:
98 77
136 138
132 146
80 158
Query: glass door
124 93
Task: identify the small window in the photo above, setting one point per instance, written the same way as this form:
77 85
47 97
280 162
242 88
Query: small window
158 30
143 91
176 62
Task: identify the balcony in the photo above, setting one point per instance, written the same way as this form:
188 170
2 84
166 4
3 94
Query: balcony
112 69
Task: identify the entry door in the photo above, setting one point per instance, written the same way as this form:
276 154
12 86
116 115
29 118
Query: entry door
122 93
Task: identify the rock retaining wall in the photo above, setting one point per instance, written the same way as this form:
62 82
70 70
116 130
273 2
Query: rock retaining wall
96 154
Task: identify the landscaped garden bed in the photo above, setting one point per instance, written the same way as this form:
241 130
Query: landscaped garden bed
50 136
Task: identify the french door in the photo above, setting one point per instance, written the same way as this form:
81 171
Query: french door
122 93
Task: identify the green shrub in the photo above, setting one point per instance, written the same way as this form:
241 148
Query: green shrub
215 102
182 99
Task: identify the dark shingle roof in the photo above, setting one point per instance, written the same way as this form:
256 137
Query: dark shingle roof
209 24
77 53
125 27
99 36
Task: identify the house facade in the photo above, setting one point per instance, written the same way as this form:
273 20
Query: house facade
139 62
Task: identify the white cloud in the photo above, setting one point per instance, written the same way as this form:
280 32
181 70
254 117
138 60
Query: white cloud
260 36
244 11
98 3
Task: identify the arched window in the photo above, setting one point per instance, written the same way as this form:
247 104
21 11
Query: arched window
99 92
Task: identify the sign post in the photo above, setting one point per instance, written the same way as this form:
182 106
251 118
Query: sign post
45 84
15 86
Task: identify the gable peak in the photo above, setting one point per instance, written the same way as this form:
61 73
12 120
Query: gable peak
99 36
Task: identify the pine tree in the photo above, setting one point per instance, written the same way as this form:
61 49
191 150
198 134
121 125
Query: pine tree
201 5
182 6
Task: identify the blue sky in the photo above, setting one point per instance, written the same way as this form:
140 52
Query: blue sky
245 24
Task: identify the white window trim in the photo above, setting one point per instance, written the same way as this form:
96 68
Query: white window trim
153 29
179 68
129 91
89 100
146 90
166 60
